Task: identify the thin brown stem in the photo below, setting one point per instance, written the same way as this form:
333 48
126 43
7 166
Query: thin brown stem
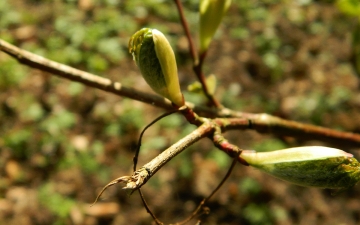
136 156
197 63
157 221
205 200
265 123
223 144
199 73
185 25
201 77
227 175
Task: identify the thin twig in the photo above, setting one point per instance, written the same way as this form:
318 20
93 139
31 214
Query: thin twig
234 162
205 200
197 63
201 77
136 156
142 175
157 221
111 183
222 144
187 31
265 123
154 165
208 129
171 155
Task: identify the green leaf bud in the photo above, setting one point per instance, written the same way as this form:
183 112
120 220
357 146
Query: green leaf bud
211 14
312 166
211 83
156 59
349 7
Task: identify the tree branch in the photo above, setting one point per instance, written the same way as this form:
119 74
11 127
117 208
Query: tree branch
39 62
209 128
143 174
261 122
265 123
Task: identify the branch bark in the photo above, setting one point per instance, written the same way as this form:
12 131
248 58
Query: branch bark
143 174
260 122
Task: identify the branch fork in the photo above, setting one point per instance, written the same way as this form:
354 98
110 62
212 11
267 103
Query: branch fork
223 119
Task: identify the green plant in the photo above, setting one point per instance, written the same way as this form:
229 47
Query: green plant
65 110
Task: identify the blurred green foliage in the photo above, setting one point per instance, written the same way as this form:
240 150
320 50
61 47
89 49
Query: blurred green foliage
349 7
249 186
56 203
8 16
269 144
255 213
11 73
258 214
40 115
352 8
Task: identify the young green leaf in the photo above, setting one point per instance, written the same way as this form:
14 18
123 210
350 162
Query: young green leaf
156 59
211 14
313 166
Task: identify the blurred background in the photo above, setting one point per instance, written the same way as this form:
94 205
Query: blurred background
61 142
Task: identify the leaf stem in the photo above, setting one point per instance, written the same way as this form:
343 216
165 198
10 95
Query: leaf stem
197 63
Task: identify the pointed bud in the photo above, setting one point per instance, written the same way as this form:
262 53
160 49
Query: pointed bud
211 14
156 59
308 166
211 83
